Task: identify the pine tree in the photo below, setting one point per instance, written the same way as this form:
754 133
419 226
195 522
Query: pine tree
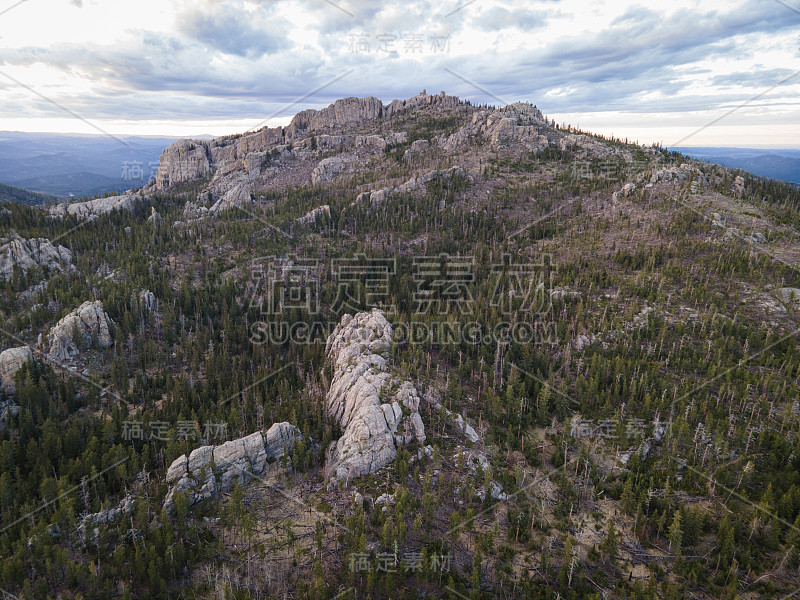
609 547
675 534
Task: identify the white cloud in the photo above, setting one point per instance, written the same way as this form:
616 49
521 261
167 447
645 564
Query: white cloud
179 63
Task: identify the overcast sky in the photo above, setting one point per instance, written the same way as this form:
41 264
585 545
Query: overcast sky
175 67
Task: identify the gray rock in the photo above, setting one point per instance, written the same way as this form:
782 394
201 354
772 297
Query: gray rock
148 300
91 209
311 216
182 161
328 168
466 429
209 470
89 322
384 499
7 411
417 148
177 470
738 185
237 196
11 361
27 253
154 218
412 186
360 399
280 439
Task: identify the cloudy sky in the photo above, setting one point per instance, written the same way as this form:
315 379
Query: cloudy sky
730 69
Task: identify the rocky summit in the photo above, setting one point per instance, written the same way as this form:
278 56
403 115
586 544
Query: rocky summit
318 147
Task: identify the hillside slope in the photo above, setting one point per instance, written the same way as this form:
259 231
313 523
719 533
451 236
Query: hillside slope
416 350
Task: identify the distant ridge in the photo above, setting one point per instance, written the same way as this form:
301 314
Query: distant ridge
775 163
17 195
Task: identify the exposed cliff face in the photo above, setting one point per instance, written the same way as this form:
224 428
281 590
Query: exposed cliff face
346 111
85 324
11 361
209 470
25 254
182 161
233 160
377 413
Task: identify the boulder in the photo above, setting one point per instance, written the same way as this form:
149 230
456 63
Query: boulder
789 295
738 185
417 147
85 324
413 185
27 253
154 218
328 168
11 361
465 428
237 196
280 439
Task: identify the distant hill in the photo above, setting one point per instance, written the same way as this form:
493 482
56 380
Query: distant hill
783 164
10 193
78 165
77 184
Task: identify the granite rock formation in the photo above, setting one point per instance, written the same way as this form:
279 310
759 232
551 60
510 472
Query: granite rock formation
79 329
11 361
27 253
209 470
377 413
94 208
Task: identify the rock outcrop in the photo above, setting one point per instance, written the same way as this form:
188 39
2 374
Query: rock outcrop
585 145
79 329
154 218
27 253
417 148
11 361
311 216
8 410
209 470
413 185
516 123
94 208
679 174
188 160
328 168
380 143
376 412
236 197
148 300
738 186
182 161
